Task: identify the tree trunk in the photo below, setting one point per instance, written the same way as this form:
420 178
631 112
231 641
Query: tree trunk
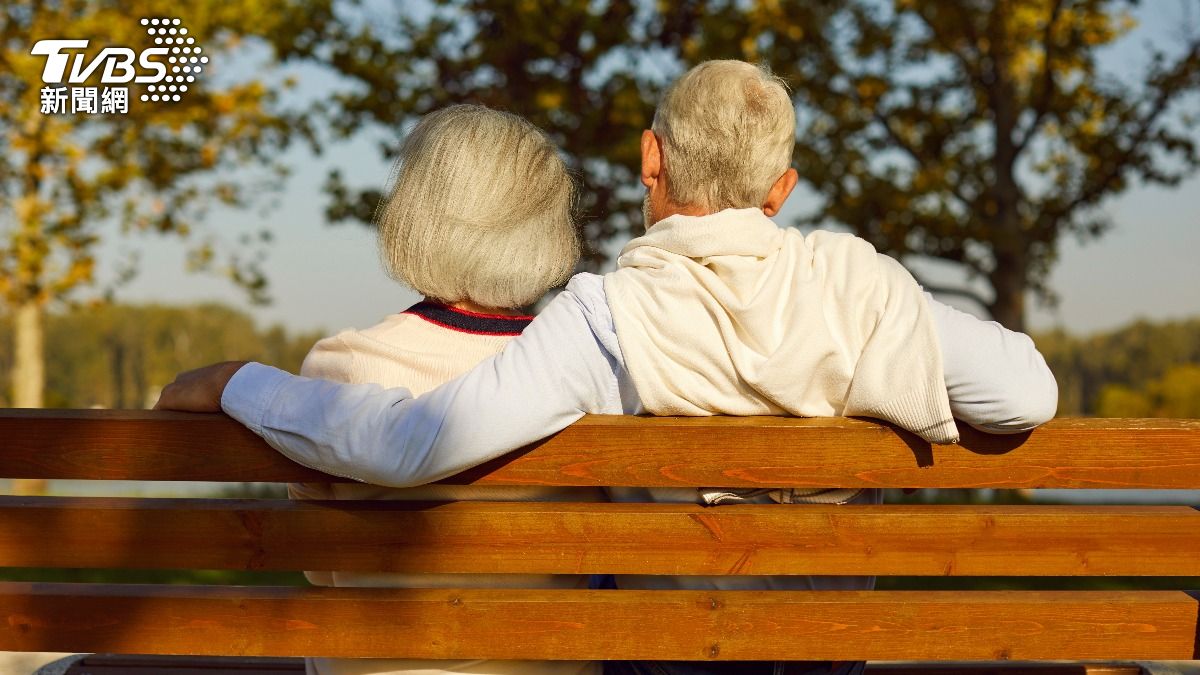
29 374
1009 275
117 361
1008 283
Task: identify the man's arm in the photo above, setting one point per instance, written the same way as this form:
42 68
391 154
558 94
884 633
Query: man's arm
997 380
545 380
550 376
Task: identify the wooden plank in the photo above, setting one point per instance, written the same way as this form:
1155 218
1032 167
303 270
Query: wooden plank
125 664
548 538
524 624
137 445
114 664
637 451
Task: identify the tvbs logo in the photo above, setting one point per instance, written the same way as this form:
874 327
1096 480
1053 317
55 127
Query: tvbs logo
166 69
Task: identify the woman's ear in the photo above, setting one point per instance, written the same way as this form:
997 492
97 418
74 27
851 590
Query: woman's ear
651 159
779 192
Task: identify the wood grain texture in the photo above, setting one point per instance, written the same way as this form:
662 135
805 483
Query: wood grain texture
548 538
137 445
115 664
637 451
523 624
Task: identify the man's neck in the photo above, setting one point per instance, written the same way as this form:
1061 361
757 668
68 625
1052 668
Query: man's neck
675 210
685 210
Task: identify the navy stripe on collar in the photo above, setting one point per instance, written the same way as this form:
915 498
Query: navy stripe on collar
469 322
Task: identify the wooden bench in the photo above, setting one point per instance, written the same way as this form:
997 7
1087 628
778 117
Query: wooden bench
608 538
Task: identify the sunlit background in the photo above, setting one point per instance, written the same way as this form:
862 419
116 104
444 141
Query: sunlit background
239 224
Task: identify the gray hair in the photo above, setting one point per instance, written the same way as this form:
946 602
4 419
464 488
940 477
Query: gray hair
727 129
479 209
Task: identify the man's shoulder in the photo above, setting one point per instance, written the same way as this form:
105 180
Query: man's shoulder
586 283
828 241
588 292
846 252
585 296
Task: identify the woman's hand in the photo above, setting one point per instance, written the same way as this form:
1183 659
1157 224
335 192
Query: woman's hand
198 390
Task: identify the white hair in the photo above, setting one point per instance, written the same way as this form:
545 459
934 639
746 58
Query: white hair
728 130
479 209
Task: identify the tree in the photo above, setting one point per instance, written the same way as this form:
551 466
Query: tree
1175 394
976 132
114 355
565 66
155 169
1111 374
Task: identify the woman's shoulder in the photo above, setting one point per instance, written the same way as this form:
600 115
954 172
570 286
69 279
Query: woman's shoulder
348 339
402 350
411 332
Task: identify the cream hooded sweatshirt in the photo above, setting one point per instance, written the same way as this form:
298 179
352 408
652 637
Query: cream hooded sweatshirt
731 314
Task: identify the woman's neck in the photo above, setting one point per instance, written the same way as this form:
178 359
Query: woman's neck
480 309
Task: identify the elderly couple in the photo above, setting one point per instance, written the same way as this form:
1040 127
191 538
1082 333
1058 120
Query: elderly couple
715 310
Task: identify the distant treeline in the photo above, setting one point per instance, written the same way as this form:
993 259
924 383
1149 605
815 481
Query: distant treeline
1142 370
119 356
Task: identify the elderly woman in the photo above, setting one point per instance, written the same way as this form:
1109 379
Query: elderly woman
478 220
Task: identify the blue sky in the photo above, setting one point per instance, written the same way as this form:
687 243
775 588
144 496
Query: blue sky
328 277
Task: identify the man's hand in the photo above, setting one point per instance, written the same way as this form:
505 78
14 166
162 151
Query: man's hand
198 390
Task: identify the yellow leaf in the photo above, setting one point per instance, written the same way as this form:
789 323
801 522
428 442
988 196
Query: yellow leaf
549 100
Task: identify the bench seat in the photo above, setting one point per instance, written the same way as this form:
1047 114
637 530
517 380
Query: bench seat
959 540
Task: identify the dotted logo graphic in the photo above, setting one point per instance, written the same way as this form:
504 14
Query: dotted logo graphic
184 62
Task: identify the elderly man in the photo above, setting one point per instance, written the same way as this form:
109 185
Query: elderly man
715 310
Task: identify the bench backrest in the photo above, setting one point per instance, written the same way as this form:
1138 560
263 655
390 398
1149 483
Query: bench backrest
907 540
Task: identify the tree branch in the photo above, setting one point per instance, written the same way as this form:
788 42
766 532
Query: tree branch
916 156
1161 102
958 292
972 72
1043 103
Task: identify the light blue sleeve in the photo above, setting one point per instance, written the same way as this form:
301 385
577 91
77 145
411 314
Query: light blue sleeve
997 380
544 380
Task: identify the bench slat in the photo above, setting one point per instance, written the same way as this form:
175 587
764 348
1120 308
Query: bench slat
627 451
113 664
541 538
523 624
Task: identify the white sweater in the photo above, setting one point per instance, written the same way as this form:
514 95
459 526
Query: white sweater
420 349
730 314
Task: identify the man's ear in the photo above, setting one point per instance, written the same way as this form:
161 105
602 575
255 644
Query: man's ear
779 191
651 159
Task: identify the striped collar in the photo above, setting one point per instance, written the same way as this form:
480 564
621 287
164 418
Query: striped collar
466 321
